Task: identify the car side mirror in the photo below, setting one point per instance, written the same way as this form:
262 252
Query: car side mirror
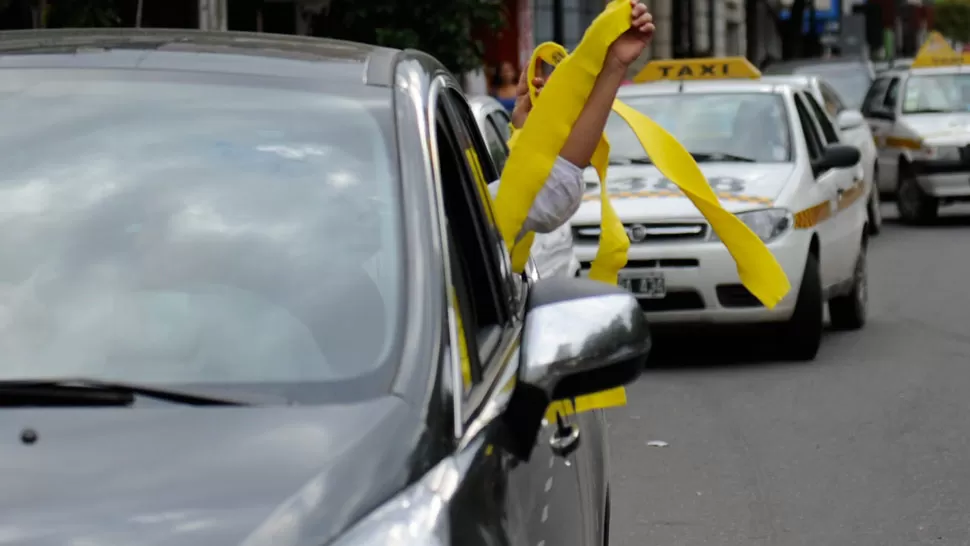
850 119
580 337
836 156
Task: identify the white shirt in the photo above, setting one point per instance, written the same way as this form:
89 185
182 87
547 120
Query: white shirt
556 202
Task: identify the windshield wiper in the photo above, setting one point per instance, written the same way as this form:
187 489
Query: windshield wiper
631 161
94 392
932 111
720 156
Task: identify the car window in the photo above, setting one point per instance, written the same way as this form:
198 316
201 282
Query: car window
833 104
198 229
497 147
824 121
812 138
477 274
892 94
710 125
502 120
874 98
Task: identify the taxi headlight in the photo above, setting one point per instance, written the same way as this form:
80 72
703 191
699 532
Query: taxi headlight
768 224
941 153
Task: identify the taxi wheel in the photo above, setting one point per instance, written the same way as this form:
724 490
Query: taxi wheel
802 334
915 207
848 312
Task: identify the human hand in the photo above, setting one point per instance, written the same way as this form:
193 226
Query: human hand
523 102
630 45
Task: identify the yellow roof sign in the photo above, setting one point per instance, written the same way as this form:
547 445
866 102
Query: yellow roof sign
714 68
936 52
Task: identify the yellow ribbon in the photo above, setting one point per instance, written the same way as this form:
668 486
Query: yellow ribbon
535 147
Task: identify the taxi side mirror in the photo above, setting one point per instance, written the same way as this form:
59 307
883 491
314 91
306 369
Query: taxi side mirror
850 119
836 156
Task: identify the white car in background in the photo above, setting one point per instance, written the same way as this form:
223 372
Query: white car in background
763 149
851 128
552 253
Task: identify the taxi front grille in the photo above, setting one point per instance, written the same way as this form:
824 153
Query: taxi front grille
648 233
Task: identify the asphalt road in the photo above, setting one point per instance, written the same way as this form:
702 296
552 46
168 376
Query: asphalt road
868 445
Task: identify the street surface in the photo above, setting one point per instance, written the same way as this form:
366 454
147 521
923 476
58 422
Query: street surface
867 446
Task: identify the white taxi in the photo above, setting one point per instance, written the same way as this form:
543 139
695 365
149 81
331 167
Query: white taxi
920 119
763 150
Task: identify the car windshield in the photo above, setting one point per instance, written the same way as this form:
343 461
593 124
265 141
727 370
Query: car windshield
712 126
937 93
851 81
187 229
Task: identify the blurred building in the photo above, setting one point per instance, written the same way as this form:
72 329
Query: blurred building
685 28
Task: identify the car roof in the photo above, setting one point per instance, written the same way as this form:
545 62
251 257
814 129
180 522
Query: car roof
697 86
253 53
798 80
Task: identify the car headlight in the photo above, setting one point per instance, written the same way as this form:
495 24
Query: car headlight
941 153
768 224
417 516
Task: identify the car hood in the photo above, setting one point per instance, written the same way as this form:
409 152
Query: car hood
640 193
940 128
189 476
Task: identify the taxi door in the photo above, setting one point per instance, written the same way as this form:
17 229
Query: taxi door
849 213
826 192
881 121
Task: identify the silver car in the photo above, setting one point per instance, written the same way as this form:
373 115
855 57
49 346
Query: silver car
552 252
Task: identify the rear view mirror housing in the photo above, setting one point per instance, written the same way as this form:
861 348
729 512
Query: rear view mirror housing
836 156
850 119
580 337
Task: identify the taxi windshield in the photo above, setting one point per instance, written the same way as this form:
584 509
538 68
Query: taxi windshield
937 93
175 228
748 127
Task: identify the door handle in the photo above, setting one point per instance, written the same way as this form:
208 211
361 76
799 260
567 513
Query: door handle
565 440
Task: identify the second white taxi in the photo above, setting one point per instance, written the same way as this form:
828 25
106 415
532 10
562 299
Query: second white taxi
762 149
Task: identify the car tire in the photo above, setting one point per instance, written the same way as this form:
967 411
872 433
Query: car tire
914 205
875 214
849 311
801 335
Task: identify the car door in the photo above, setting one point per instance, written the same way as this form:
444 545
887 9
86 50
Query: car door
828 187
881 124
535 501
850 212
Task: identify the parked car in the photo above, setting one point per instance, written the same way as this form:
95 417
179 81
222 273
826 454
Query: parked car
851 128
850 77
553 252
252 296
895 64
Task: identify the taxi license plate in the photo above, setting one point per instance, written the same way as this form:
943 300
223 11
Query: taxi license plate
651 285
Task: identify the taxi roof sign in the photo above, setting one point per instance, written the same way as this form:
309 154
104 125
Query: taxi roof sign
936 52
713 68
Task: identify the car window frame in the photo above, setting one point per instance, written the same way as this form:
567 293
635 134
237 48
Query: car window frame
891 100
872 104
813 140
829 93
500 143
825 125
502 120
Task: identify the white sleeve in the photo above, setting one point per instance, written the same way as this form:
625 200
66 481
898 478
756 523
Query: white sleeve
556 202
558 199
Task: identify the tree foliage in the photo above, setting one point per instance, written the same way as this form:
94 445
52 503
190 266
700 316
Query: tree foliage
952 19
442 28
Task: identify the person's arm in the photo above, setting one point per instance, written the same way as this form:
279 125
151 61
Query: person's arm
585 136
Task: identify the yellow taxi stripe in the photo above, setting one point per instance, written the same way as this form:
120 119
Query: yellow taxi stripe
902 142
816 214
